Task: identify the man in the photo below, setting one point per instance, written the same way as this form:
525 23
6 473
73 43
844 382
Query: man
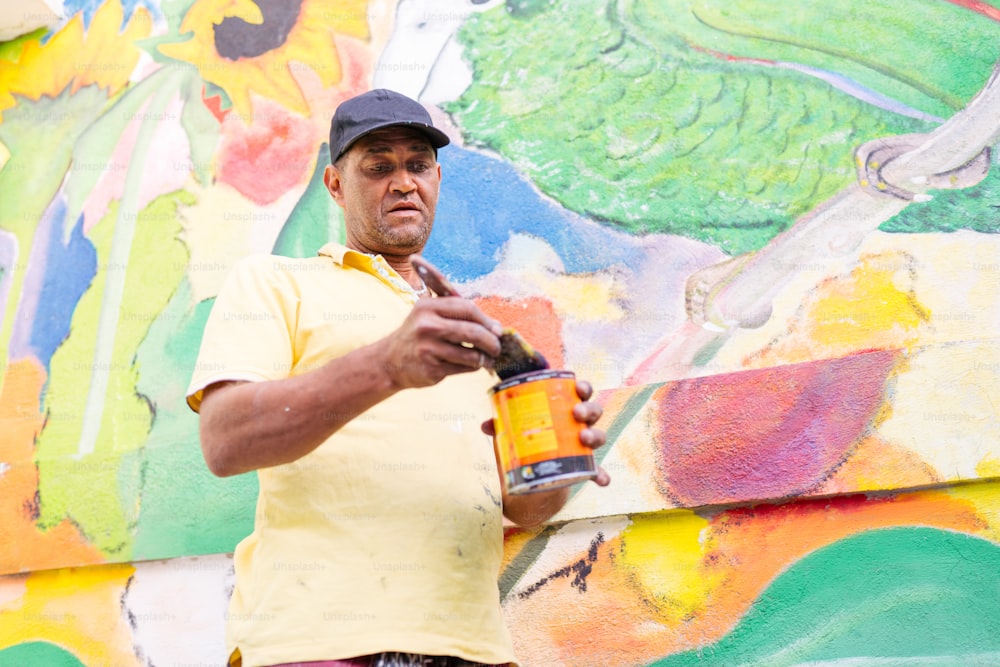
362 404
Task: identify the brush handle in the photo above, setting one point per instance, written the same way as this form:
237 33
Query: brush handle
432 277
516 355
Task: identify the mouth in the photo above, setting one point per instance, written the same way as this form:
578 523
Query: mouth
404 208
404 211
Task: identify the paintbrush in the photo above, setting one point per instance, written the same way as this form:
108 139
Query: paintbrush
516 356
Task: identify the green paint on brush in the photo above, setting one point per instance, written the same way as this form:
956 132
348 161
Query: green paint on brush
885 597
100 491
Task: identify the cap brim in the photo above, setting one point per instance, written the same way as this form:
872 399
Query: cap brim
436 137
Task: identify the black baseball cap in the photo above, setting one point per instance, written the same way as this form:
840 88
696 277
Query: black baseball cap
376 109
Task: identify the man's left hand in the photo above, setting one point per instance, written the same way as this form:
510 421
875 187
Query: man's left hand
588 412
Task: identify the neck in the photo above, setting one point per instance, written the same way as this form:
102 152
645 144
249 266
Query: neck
400 263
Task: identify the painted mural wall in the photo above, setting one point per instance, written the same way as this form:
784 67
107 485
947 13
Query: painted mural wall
768 233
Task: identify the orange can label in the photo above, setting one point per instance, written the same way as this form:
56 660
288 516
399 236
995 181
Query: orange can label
537 437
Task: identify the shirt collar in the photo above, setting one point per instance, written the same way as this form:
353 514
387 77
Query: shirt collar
373 264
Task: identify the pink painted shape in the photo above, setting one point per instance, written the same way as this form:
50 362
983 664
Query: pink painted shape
269 157
765 434
165 169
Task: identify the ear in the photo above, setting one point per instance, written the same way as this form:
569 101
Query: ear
331 179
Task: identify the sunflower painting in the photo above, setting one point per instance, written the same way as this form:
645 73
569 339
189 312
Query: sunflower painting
249 49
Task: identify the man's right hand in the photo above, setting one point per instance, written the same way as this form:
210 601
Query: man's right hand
251 425
442 336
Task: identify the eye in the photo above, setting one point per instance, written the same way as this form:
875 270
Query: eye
419 167
381 167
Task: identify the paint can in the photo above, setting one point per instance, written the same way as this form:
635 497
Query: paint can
537 438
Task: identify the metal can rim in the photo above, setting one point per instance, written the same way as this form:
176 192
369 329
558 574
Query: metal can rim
532 376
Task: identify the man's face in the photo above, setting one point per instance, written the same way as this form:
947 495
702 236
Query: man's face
387 183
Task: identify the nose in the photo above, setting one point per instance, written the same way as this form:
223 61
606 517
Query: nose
403 181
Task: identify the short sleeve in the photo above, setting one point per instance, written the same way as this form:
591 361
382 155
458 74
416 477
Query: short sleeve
249 333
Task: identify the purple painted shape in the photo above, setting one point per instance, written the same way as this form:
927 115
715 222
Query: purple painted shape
31 287
8 261
765 434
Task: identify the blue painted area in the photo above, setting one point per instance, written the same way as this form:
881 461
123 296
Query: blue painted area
88 7
484 201
69 269
864 93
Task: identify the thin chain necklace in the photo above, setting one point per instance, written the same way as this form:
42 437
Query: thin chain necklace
384 270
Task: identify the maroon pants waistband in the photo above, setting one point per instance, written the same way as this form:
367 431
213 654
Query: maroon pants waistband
370 660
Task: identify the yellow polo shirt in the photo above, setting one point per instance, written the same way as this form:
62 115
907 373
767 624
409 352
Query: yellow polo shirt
388 536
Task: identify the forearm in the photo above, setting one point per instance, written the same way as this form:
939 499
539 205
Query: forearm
251 425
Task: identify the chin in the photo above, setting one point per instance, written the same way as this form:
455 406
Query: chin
405 240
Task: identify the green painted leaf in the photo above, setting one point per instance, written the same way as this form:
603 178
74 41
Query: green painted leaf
883 597
174 474
38 653
637 116
316 218
99 490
